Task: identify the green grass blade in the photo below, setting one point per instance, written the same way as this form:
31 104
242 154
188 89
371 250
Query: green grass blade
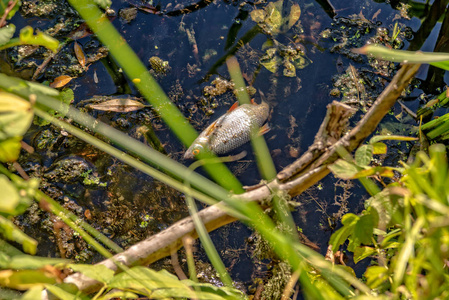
260 148
438 59
146 84
208 244
131 161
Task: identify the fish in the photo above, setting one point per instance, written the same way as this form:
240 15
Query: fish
231 130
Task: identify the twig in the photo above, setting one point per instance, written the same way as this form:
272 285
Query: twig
8 9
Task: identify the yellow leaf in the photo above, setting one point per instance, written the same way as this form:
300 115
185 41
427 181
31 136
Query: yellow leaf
60 81
79 54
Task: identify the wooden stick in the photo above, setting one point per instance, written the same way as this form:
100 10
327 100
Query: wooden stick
302 174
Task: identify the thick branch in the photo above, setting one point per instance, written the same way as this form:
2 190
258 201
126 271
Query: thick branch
296 178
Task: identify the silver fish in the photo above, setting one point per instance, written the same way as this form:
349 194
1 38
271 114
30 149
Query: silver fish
231 130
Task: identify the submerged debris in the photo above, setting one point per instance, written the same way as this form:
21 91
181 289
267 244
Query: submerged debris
158 66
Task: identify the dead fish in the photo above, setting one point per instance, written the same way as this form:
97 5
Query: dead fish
231 130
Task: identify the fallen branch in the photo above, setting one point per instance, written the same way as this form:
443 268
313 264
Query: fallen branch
295 178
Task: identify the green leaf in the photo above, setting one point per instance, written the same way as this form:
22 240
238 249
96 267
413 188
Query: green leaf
9 197
119 295
343 169
363 252
7 294
42 89
364 155
142 278
376 275
379 148
379 138
15 115
33 293
4 4
28 261
10 150
11 232
65 292
380 171
6 33
363 229
270 60
438 59
98 272
270 19
42 39
25 279
341 235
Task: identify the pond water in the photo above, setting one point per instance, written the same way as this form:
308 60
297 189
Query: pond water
193 44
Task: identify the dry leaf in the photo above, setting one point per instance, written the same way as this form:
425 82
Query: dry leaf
79 54
60 81
118 105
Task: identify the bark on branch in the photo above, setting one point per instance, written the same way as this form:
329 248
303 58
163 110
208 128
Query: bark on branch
295 178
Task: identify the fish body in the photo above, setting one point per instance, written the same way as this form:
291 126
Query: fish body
231 130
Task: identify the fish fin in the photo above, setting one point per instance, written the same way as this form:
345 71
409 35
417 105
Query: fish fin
211 128
264 129
253 102
234 106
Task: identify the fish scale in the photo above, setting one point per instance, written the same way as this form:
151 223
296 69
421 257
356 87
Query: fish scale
234 131
231 130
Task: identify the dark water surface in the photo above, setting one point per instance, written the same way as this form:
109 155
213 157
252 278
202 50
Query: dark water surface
298 107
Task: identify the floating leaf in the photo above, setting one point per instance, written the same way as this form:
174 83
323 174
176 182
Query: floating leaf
6 33
10 149
118 105
60 81
16 115
270 60
364 155
270 19
98 272
258 15
26 37
343 169
293 17
79 54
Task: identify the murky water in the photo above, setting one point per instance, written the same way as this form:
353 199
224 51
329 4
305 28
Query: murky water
193 44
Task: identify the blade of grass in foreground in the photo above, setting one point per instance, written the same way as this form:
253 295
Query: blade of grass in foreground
260 148
149 88
21 88
131 161
437 59
264 161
